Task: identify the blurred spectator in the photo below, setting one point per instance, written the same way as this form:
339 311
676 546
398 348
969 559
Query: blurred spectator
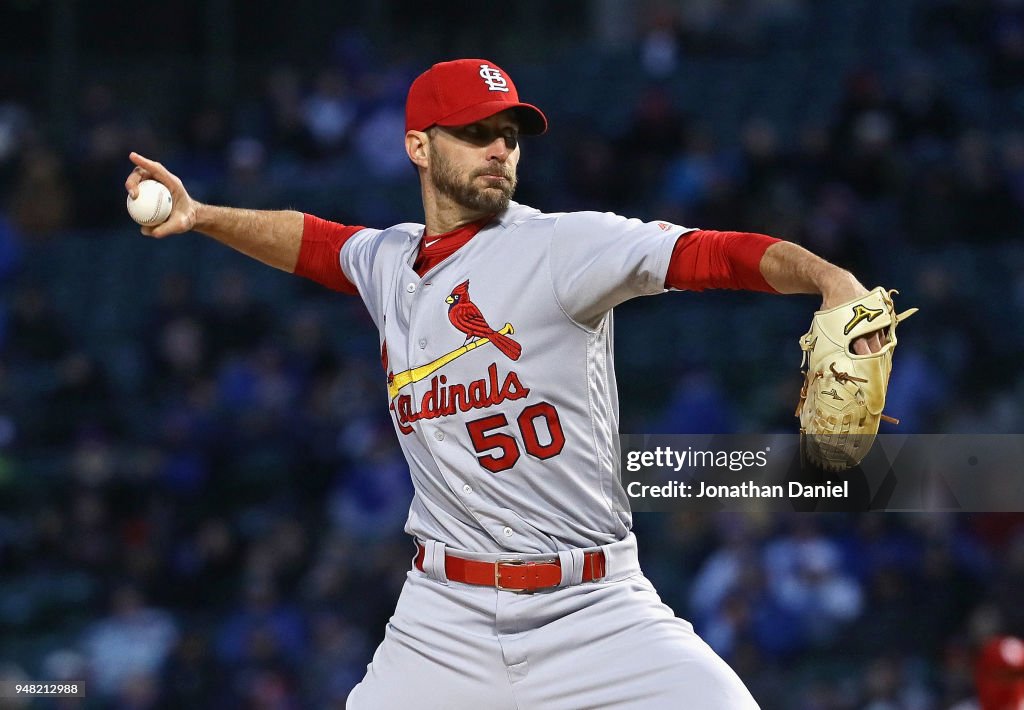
762 159
238 321
925 116
191 676
129 646
283 116
80 405
697 406
337 661
957 685
176 298
660 46
248 184
725 27
696 174
890 685
831 230
870 164
309 353
328 113
383 157
805 576
189 432
947 592
65 665
593 177
988 210
43 172
864 101
1006 68
657 130
179 353
930 213
262 631
731 606
207 561
206 138
37 334
98 159
373 495
92 539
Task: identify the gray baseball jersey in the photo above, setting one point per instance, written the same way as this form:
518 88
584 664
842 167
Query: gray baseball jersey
502 390
500 372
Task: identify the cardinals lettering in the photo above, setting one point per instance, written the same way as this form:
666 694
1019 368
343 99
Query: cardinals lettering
443 399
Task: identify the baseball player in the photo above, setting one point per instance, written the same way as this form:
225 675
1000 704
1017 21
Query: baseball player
495 327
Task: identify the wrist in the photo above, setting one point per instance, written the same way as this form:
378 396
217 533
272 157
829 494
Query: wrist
202 217
838 286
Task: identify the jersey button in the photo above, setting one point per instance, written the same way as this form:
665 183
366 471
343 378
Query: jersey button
439 435
467 489
507 531
411 288
423 343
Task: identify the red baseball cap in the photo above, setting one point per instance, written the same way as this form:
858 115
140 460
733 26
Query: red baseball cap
465 91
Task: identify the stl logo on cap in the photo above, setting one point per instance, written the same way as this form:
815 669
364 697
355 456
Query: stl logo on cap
464 91
494 79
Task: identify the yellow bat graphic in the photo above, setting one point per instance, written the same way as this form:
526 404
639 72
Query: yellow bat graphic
407 377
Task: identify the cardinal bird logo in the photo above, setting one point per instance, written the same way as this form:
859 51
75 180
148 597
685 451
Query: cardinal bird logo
465 316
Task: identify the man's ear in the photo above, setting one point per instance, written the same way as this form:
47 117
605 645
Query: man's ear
417 147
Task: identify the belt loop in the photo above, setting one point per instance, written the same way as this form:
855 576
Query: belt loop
572 567
620 558
433 560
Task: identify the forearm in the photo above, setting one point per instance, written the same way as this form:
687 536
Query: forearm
789 268
273 237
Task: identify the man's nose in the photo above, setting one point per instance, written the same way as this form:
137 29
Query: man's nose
499 149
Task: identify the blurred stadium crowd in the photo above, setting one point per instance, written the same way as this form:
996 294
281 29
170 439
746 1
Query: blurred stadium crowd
201 497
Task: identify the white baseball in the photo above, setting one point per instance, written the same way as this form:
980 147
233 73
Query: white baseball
152 206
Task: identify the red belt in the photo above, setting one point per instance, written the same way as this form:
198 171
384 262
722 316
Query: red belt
513 575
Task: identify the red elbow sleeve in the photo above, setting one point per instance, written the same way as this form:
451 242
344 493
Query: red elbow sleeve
710 259
320 253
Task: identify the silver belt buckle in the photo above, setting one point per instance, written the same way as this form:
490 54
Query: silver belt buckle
515 561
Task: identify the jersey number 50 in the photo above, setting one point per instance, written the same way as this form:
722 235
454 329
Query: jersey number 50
481 431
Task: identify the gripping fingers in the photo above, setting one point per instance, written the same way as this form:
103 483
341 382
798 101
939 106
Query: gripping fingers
146 169
870 343
134 178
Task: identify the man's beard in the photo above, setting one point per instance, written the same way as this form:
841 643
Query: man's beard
491 200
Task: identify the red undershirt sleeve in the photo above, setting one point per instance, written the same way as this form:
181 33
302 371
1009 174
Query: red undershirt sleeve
320 253
710 259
